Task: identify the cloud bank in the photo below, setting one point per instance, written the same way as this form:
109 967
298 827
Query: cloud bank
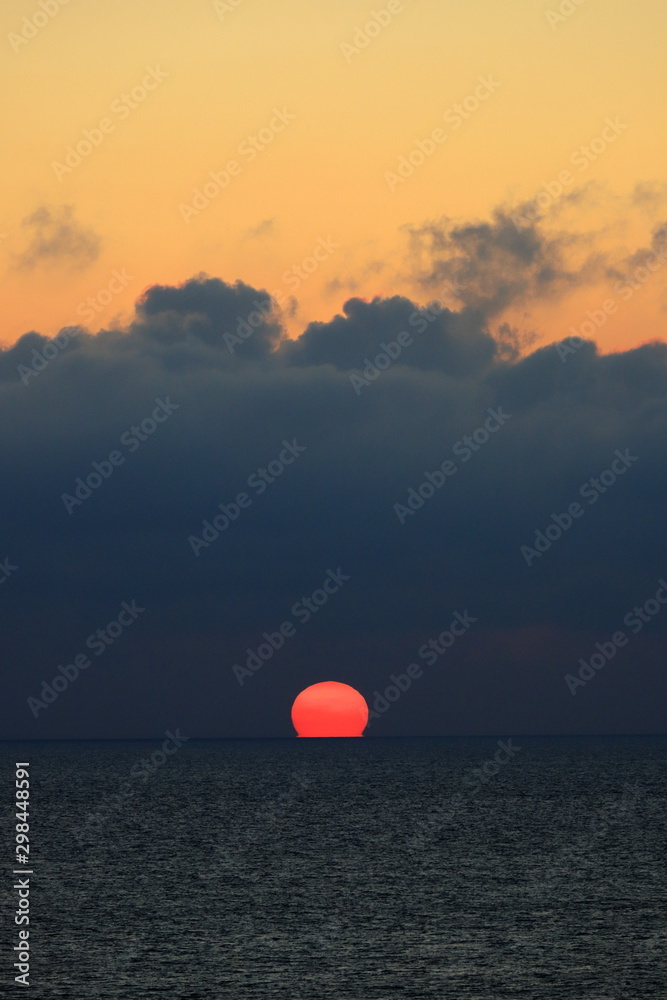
432 457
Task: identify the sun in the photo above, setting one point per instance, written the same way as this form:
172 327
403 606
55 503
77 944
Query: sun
329 708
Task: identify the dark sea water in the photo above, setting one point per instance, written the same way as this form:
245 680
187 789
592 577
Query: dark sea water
349 869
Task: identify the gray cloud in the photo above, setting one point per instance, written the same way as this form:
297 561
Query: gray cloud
650 195
494 265
55 237
654 254
335 507
265 228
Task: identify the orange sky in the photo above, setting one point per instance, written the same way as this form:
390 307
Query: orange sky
221 73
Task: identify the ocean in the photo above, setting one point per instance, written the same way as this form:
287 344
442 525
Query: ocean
493 868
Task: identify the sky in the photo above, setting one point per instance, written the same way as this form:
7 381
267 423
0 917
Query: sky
217 217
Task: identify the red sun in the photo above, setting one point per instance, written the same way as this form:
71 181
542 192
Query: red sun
329 709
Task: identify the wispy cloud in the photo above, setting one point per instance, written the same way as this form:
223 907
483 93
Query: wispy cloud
55 237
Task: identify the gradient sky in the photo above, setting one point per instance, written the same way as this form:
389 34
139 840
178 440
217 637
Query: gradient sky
486 285
324 176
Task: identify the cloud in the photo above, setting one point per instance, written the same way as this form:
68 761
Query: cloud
265 228
55 237
449 341
494 264
207 311
335 507
353 282
650 195
654 255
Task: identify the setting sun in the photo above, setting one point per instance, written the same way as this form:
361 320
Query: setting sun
330 709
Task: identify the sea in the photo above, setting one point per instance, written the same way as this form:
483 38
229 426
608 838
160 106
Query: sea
494 868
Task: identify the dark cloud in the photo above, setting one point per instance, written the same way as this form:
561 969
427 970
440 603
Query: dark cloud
207 311
444 340
55 237
512 342
495 264
334 506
